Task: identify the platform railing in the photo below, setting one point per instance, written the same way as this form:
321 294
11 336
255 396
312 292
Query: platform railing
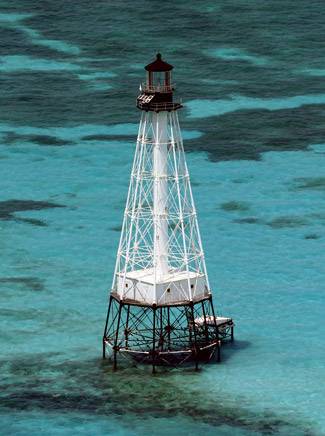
157 88
168 106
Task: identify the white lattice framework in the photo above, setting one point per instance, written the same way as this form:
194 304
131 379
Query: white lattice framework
160 258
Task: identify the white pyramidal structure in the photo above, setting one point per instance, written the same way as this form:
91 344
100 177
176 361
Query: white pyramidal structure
160 308
160 257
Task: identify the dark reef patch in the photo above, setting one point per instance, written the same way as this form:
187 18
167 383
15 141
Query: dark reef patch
47 140
40 99
316 183
32 283
103 138
235 206
245 134
8 208
9 137
249 220
33 221
277 223
287 222
312 236
36 383
243 180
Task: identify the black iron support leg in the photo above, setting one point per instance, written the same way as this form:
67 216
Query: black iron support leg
217 332
196 350
168 321
127 327
105 330
161 334
154 342
116 336
205 323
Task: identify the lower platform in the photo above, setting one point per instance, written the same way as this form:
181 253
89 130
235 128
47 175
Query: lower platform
168 335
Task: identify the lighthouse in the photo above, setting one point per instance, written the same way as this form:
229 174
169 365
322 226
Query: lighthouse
160 308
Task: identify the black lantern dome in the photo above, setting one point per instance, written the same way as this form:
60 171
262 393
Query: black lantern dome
158 65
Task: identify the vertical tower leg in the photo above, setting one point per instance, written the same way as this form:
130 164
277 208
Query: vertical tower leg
127 327
105 329
196 350
161 333
168 331
116 336
154 342
217 332
205 323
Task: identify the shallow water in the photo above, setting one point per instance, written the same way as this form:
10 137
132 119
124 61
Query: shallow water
70 73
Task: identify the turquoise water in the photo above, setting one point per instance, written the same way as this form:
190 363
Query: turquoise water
253 125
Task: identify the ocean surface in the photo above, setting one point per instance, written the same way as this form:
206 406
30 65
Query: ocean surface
251 76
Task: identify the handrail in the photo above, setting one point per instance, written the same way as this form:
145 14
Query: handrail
167 106
157 88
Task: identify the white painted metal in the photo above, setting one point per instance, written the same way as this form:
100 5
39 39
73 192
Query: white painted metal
160 258
160 194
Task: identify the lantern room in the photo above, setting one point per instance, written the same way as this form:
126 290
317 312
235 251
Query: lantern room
157 92
159 75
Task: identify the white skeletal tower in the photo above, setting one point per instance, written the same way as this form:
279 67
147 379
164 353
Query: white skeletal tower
160 308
